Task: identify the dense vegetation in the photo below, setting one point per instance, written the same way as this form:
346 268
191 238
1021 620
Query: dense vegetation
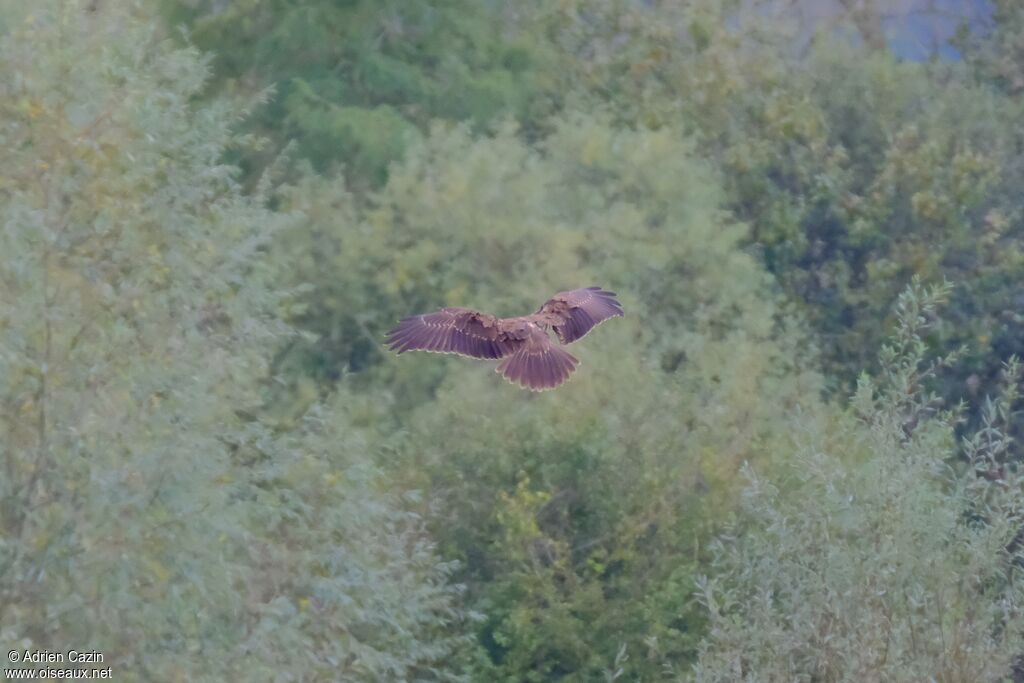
791 460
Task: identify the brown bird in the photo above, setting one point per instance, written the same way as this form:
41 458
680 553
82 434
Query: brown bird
528 356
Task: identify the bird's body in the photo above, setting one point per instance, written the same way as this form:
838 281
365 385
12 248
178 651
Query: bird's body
528 357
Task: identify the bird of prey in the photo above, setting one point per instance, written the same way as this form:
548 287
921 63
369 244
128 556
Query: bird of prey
528 357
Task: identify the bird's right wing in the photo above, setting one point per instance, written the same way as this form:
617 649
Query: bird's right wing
574 313
452 330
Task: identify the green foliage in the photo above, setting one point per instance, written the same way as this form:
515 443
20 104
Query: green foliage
142 515
358 80
855 171
212 470
578 516
874 559
997 55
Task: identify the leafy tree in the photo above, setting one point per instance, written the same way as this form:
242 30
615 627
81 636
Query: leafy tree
578 516
997 54
358 81
144 511
873 559
845 201
854 170
203 492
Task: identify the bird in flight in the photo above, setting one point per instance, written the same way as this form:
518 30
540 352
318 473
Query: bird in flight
528 357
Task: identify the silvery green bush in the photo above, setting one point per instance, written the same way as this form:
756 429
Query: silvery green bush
882 556
144 511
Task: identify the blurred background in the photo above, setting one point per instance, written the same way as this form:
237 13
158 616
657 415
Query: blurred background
793 460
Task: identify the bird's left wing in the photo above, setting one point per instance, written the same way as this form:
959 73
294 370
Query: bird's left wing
452 330
574 313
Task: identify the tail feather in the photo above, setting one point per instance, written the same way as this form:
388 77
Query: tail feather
538 369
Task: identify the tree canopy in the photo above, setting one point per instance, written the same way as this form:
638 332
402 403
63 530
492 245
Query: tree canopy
796 458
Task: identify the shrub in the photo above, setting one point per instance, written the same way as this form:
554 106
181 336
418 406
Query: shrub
578 516
879 558
145 512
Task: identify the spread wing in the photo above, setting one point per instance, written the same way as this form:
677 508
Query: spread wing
574 313
452 330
